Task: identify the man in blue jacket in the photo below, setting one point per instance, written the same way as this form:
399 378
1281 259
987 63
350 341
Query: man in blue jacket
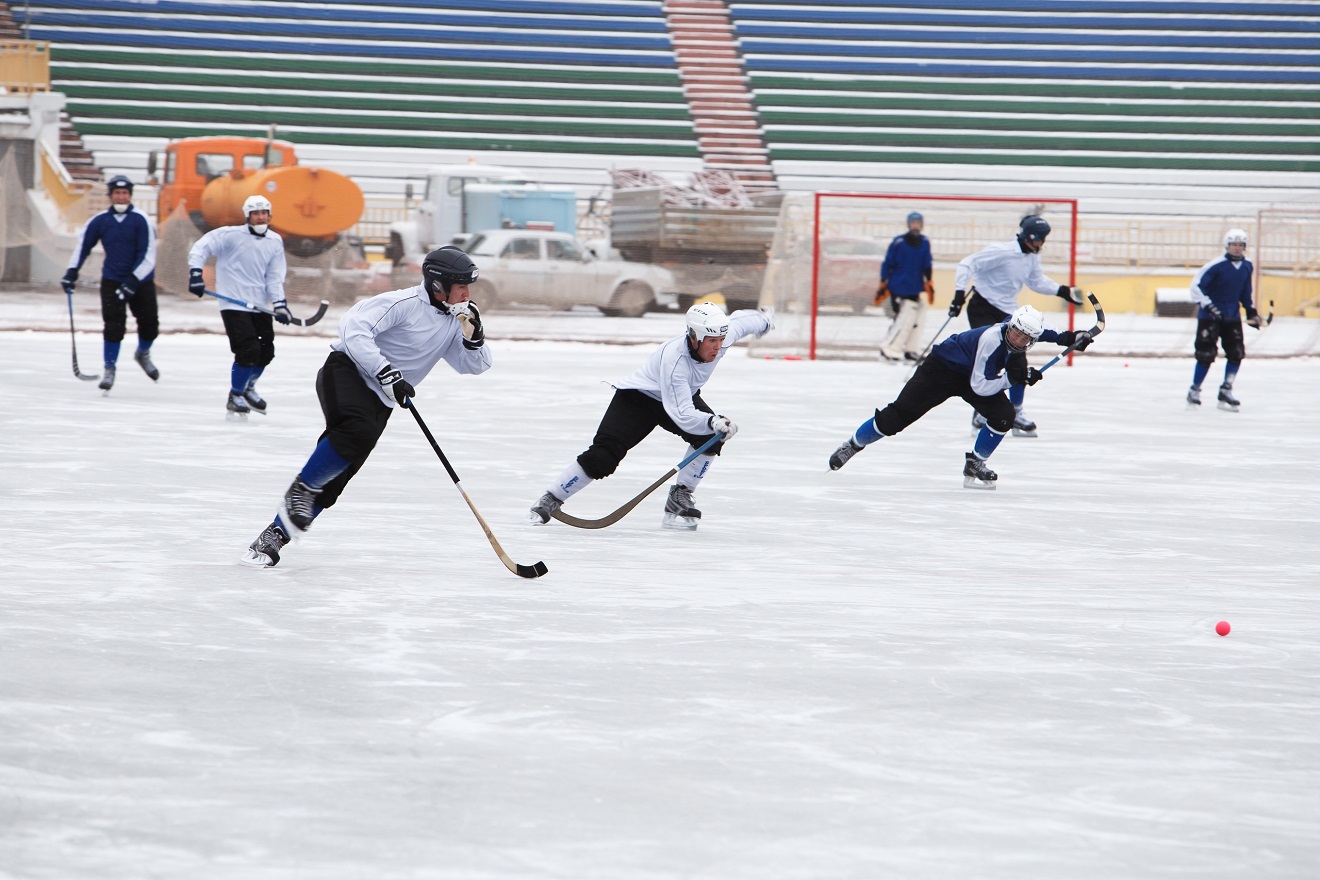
127 276
905 275
1222 287
977 365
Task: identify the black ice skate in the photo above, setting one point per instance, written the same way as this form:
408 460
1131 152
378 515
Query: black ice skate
1227 402
298 508
540 513
265 551
1023 426
976 475
254 400
236 408
843 453
679 512
1194 397
144 361
107 379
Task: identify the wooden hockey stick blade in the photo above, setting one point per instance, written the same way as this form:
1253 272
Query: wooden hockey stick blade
610 519
320 313
535 570
1093 332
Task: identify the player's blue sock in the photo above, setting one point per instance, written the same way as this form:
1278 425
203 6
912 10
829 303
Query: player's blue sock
987 442
867 433
1199 374
239 378
256 374
1230 373
324 465
111 352
1016 394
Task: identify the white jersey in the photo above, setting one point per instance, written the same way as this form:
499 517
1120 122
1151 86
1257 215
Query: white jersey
403 330
248 267
999 272
671 375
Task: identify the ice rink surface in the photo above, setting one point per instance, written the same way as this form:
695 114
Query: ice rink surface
873 673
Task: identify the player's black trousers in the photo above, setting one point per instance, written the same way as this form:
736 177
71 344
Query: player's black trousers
933 383
981 314
629 418
251 337
355 417
115 313
1227 333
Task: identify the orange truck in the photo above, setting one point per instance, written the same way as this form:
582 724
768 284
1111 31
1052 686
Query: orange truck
203 182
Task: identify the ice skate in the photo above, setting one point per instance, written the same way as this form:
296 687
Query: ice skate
254 399
843 453
977 475
236 408
1227 402
887 358
1194 397
1023 426
107 380
265 551
679 512
298 508
542 510
144 361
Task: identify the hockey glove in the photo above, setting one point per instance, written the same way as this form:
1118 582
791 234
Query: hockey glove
723 425
881 293
768 313
474 334
196 286
1214 311
1078 340
1017 369
930 292
69 280
392 381
1034 375
1255 320
959 297
126 290
282 313
1071 294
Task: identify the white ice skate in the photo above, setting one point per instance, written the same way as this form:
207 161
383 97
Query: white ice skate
679 512
1227 402
236 408
976 475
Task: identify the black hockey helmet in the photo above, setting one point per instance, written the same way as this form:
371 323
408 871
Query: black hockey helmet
1033 228
119 181
448 265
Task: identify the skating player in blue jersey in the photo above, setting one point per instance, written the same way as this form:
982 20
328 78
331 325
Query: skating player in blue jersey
977 365
1223 288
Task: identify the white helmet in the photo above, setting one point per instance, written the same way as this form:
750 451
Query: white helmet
1027 321
706 319
1235 235
255 203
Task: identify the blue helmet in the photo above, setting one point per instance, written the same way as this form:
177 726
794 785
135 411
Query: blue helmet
916 216
119 181
1034 228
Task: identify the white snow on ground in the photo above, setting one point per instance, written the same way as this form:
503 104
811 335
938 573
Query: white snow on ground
863 674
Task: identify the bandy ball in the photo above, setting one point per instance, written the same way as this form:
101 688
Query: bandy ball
1223 628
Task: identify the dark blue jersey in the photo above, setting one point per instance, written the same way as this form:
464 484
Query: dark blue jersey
1226 284
129 243
907 266
981 355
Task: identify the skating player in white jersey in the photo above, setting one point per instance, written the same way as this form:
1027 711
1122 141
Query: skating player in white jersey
999 272
249 266
1222 289
664 393
977 365
387 345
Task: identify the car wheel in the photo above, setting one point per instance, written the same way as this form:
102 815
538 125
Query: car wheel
631 300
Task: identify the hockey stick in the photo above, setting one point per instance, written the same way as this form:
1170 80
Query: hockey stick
527 571
611 519
1093 332
929 346
298 322
73 344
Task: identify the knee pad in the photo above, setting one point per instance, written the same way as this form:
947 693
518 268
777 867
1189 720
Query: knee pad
602 459
1234 349
114 330
249 355
999 424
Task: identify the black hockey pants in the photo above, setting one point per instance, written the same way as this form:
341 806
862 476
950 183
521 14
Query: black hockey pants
933 383
630 417
115 313
981 314
251 337
355 417
1227 333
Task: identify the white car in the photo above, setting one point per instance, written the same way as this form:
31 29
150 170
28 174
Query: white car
554 269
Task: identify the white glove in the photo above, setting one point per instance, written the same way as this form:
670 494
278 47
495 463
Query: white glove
723 425
768 313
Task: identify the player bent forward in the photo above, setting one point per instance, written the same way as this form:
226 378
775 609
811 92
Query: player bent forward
977 365
664 392
387 345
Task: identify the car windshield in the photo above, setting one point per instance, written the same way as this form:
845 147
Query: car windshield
477 244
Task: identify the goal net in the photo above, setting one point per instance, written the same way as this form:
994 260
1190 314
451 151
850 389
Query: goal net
824 265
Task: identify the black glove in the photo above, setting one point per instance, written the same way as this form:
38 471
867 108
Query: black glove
1017 369
392 381
959 297
1078 340
196 286
1072 294
1255 321
474 335
1214 312
282 313
126 290
1034 375
69 280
